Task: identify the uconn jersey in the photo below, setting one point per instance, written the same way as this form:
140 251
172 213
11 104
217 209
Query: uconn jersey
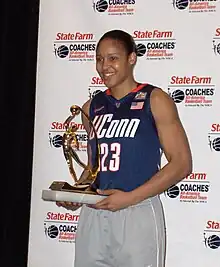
127 136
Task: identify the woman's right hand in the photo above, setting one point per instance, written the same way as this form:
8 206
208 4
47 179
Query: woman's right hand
69 205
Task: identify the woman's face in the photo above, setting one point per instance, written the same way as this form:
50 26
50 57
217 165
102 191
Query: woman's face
113 63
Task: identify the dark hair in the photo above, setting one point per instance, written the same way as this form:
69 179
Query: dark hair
123 37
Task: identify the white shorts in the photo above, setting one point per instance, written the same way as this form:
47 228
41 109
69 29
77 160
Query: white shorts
132 237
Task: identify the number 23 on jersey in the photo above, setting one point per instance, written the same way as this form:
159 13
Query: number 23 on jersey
113 152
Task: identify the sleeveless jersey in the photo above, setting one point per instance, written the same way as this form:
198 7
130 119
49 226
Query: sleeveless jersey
130 150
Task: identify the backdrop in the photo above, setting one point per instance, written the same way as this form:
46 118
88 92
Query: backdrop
178 50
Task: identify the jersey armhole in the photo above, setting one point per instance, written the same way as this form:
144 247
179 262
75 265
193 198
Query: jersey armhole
149 90
154 124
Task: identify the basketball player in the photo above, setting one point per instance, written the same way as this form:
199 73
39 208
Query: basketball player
135 122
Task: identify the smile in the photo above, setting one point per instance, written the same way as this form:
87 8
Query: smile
106 75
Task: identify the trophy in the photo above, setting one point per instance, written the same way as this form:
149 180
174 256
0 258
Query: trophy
84 188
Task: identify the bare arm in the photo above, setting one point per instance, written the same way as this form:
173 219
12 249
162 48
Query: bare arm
175 146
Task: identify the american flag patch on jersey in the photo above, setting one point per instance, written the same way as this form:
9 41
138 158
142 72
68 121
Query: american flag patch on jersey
137 105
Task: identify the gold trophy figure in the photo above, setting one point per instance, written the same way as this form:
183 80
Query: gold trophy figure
83 190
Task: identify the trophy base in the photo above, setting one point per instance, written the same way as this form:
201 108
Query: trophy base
62 191
64 186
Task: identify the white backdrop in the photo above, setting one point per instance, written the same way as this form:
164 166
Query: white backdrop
179 51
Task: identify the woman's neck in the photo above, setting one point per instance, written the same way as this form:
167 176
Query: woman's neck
124 88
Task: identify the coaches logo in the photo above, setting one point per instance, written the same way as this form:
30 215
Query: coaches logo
155 45
114 7
194 6
61 226
57 130
193 189
61 232
214 137
192 91
96 86
75 46
216 42
212 234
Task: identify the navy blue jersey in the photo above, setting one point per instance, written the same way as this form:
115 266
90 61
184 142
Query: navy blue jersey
129 144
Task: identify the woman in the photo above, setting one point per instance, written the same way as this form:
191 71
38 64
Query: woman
134 123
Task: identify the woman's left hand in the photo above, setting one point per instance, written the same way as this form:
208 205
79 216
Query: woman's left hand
115 200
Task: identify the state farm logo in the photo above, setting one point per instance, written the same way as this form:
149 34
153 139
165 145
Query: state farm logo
193 91
155 44
216 42
75 46
57 130
114 7
214 137
193 189
61 217
211 234
61 227
96 86
195 6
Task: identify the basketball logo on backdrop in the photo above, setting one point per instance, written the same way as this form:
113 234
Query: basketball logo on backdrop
214 137
173 191
211 234
56 140
141 50
51 231
192 91
96 86
180 4
193 189
155 44
61 51
100 6
114 7
177 95
216 42
195 6
93 92
76 46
